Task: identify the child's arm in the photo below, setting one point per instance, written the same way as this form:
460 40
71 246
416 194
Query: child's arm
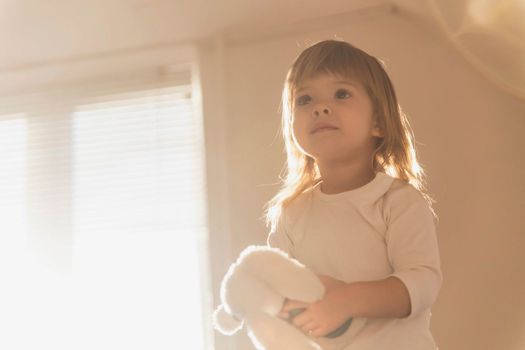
386 298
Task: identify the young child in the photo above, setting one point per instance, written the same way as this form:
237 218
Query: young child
353 206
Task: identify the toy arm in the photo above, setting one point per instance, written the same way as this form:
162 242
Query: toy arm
224 322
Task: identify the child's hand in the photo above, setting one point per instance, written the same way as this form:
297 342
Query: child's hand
324 316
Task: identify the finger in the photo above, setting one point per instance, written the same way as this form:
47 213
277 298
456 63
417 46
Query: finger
284 313
302 319
316 332
309 327
293 304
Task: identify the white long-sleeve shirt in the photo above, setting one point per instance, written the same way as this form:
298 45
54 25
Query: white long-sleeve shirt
384 228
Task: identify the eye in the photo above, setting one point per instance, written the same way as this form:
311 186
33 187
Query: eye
302 100
342 94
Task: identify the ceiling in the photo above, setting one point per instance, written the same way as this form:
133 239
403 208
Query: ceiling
34 31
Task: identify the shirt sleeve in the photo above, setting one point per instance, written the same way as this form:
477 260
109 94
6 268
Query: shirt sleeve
412 246
280 237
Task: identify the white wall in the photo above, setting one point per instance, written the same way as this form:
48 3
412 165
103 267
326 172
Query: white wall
469 137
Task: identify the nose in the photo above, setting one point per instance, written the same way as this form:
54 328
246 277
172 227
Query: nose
321 109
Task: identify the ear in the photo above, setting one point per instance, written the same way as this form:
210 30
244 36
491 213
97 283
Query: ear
376 131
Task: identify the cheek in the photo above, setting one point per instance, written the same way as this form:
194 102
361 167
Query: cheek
298 125
356 134
300 133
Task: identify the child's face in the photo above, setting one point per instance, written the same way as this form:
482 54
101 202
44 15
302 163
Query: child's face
333 119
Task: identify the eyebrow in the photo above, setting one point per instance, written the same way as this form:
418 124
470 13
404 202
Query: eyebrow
339 82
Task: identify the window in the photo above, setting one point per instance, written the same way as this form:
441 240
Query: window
13 221
103 199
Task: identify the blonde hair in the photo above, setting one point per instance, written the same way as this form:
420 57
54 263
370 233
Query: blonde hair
395 153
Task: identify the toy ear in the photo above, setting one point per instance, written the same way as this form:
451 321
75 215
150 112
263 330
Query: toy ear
224 322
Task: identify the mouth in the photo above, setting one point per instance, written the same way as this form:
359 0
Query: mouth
323 128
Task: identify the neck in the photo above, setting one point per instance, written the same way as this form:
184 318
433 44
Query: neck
341 177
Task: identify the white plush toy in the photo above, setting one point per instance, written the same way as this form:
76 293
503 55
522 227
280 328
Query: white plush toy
253 292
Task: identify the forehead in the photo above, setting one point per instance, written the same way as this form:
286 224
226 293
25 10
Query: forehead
326 80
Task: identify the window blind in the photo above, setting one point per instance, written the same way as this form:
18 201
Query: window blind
103 213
